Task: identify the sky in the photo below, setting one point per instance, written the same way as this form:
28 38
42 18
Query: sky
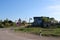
25 9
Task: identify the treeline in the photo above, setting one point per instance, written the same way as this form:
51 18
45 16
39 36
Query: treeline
6 23
10 23
45 22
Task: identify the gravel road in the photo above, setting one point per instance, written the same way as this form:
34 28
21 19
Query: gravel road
8 35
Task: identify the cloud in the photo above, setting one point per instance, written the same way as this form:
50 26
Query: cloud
54 0
55 9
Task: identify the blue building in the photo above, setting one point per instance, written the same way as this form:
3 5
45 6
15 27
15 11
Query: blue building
37 21
44 21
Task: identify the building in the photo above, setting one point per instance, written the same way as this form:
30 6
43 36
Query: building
44 21
19 22
37 21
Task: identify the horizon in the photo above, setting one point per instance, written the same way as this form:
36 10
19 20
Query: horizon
25 9
32 19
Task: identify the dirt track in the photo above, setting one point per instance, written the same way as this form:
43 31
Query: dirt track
8 35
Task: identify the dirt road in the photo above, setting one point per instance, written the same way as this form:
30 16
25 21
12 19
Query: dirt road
5 35
8 35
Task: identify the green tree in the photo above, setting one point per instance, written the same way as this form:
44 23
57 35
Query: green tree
7 23
24 22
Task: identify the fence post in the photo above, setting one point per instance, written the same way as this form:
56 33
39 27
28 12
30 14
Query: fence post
40 33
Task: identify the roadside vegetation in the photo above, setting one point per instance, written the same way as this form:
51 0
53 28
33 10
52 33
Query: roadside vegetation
48 26
6 23
9 23
44 31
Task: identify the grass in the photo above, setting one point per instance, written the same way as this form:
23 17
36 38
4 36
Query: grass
44 31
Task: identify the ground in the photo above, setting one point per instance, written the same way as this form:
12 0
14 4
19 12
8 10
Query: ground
6 34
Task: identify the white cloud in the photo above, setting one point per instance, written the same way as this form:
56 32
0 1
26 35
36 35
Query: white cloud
54 11
54 0
54 7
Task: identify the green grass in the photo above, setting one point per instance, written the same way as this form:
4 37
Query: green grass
44 31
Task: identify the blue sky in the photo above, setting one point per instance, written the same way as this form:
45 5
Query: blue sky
25 9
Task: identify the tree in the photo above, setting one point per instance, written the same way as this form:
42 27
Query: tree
7 23
24 22
10 22
19 20
1 25
45 19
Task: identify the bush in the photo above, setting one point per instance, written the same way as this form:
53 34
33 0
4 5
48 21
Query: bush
1 26
44 31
